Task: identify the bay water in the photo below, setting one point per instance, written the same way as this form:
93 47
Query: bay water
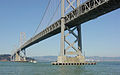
45 68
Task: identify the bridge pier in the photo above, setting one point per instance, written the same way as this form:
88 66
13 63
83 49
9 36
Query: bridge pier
65 53
17 56
74 55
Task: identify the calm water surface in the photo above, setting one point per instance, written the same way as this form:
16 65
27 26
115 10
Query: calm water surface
16 68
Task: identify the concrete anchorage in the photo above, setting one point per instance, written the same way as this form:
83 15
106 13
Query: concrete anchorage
63 58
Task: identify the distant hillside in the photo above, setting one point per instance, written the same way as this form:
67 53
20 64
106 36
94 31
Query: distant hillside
5 57
96 58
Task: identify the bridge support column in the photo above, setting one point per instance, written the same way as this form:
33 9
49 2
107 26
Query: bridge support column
24 57
65 52
62 45
79 38
17 56
79 32
62 30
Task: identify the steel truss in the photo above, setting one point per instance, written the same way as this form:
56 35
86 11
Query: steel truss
63 51
77 51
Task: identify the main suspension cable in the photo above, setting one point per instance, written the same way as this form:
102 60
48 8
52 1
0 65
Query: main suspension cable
54 13
43 17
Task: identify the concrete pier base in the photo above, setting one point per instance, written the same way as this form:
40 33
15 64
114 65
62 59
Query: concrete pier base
85 63
78 60
65 59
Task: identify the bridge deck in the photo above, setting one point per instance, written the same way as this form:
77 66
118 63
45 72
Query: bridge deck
89 10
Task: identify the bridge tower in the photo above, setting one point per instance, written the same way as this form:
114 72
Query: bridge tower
22 41
76 54
21 55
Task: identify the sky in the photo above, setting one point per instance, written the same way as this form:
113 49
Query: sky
100 36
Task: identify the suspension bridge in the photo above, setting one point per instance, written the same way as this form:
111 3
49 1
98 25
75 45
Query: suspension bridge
72 16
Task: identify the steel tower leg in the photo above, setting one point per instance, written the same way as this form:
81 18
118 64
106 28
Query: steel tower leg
61 58
64 52
24 57
62 29
79 38
79 32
